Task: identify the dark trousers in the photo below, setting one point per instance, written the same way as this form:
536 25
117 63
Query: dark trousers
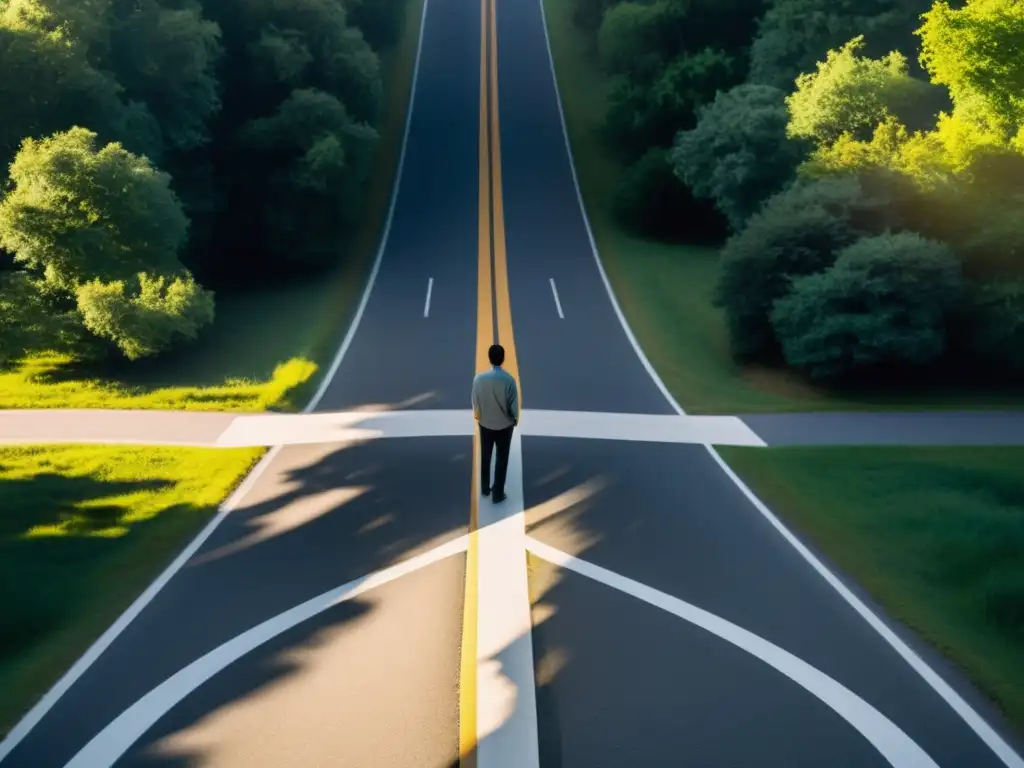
489 440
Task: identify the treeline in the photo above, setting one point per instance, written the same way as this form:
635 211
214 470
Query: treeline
159 150
864 159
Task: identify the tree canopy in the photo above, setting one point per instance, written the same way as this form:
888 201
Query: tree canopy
139 134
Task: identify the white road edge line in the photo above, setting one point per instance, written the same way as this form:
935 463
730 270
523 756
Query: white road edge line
975 721
885 736
506 685
590 233
106 747
34 715
430 289
558 304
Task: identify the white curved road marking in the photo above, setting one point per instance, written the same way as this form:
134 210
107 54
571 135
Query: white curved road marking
114 740
27 723
892 743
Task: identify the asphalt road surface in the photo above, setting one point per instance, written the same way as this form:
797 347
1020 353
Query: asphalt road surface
375 680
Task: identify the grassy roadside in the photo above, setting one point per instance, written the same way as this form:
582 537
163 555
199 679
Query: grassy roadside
935 534
267 349
82 530
665 290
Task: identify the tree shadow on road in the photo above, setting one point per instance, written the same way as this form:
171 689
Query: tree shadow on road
319 517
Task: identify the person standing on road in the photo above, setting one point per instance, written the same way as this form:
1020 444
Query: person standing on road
496 409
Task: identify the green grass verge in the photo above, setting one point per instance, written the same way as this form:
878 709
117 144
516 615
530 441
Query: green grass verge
665 290
935 534
82 530
267 349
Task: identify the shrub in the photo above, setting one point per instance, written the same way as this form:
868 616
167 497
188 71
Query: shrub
380 21
994 331
885 302
738 155
145 319
798 232
650 200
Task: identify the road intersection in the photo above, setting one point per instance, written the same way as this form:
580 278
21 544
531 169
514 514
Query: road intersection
355 604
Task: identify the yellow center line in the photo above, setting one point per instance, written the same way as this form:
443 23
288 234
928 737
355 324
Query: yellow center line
492 292
484 338
501 292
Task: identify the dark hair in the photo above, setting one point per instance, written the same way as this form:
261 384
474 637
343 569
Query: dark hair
496 354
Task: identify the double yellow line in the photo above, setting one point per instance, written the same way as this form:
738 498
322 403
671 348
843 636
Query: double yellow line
494 325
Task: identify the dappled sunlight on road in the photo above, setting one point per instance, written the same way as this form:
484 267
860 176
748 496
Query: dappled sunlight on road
298 512
561 513
415 400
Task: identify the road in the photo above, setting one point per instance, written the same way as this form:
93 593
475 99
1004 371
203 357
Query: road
356 603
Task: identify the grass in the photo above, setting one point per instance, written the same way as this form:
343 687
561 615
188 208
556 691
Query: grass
665 289
267 348
935 534
82 530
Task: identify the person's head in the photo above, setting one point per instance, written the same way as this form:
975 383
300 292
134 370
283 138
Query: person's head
496 354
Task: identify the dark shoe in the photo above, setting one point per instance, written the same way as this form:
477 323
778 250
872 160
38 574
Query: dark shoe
486 491
499 497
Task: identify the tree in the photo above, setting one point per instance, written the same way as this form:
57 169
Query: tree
380 21
642 114
48 85
738 154
975 52
144 316
28 321
317 159
650 200
795 34
849 94
165 58
995 325
884 303
799 231
78 213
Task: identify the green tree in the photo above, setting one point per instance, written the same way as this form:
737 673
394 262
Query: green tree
77 212
795 34
884 303
650 200
317 158
994 327
48 85
165 57
799 231
850 94
975 52
29 321
738 154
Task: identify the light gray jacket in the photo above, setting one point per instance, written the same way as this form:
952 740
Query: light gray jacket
495 399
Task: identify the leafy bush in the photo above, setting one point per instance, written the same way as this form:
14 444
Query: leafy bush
145 319
650 200
994 331
798 232
379 20
885 302
646 112
738 155
851 94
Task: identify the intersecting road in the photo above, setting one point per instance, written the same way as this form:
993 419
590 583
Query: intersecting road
358 604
